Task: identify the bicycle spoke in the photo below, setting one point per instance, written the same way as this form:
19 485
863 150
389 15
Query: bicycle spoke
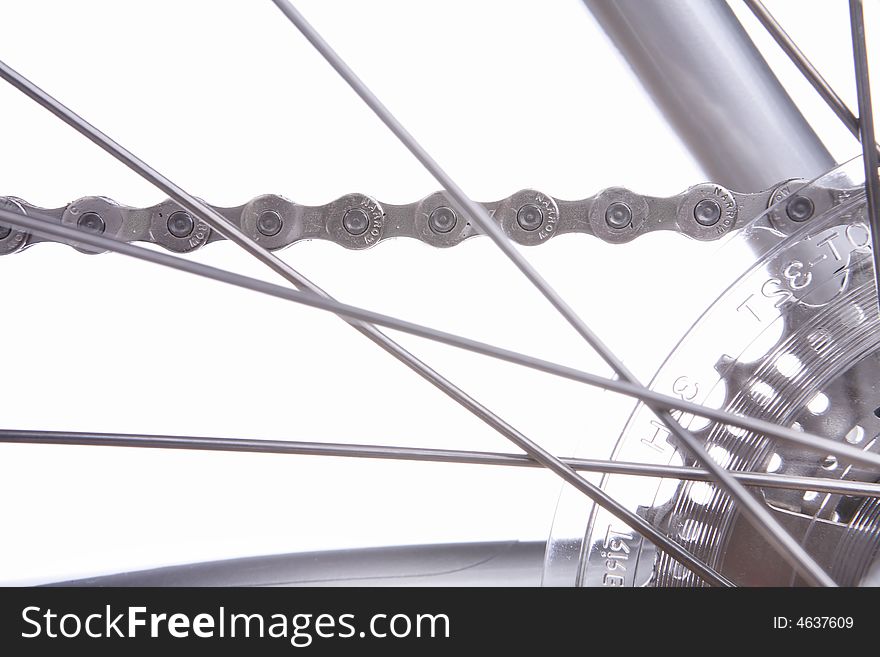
799 59
47 227
395 453
866 126
231 232
758 514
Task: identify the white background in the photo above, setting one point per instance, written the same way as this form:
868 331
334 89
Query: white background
229 101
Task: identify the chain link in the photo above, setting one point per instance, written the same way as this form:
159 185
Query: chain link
357 221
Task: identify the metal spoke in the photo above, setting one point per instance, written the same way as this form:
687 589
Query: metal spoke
231 232
866 126
799 59
46 226
755 510
396 453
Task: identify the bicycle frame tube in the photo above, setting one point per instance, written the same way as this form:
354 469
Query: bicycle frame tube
713 86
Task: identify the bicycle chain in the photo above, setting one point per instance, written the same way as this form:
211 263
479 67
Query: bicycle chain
357 221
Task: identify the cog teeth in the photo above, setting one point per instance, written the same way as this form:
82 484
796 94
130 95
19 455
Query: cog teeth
724 364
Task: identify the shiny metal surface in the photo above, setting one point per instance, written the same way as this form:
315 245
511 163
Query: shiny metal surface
794 340
507 563
715 89
804 65
275 223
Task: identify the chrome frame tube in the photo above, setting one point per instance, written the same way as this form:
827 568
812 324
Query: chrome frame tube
704 73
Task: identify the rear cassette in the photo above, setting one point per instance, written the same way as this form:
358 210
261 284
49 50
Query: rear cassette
794 340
